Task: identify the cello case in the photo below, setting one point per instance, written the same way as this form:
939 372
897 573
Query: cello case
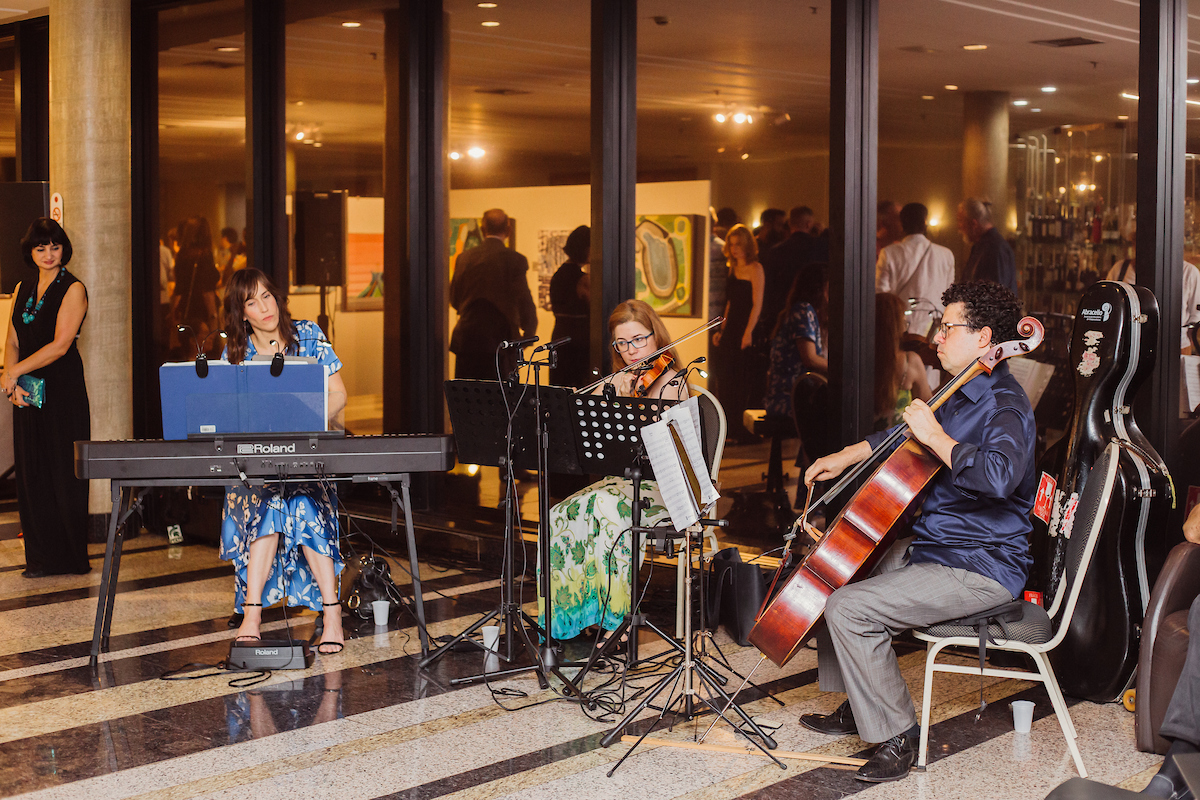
1111 354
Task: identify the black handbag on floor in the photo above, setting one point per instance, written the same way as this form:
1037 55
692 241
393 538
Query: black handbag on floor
735 593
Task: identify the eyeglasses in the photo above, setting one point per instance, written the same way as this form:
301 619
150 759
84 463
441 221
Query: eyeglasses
623 345
944 328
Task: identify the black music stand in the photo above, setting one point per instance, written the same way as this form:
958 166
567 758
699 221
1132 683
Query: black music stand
479 413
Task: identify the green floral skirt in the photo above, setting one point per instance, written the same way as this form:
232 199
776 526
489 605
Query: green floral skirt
590 555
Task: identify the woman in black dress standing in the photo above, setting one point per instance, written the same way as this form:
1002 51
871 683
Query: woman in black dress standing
47 313
744 300
571 304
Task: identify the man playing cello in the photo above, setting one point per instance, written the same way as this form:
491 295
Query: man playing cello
969 549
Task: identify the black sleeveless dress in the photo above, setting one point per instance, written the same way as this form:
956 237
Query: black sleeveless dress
53 503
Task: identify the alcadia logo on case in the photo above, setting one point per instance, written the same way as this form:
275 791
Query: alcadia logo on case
259 449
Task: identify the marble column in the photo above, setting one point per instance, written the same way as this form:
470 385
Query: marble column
985 151
90 167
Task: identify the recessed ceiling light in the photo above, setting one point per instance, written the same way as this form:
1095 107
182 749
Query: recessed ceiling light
300 136
719 117
299 103
926 97
227 48
745 156
950 87
974 47
1035 111
1020 102
317 144
721 149
476 152
490 24
739 118
1193 80
1129 95
1122 116
1098 158
486 5
351 24
1049 89
455 155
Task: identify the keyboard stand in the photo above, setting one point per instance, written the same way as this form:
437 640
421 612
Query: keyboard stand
127 497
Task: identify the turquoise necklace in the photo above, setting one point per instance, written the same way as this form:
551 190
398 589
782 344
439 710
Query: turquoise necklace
27 316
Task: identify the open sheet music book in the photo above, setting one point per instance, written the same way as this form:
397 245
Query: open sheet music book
675 451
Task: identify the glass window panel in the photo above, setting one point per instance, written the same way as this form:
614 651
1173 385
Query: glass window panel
202 162
8 115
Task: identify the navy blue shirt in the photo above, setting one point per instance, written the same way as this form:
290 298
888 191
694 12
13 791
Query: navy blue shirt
976 515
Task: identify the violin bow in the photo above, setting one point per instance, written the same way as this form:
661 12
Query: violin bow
712 323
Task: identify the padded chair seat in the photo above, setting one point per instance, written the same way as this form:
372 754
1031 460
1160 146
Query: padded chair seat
1032 628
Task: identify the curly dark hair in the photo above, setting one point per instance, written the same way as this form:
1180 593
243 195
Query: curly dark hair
987 304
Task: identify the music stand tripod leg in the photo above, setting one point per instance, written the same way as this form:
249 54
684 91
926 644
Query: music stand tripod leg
404 499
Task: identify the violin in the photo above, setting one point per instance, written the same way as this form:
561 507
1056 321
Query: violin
859 536
652 372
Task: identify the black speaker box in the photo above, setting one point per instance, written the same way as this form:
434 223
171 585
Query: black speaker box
320 242
20 205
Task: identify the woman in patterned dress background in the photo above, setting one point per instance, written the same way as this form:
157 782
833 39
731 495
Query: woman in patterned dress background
302 568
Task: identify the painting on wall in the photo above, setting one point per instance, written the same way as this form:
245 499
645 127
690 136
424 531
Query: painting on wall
550 257
363 287
667 263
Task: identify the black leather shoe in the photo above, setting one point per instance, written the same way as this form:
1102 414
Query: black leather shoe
839 723
891 761
1162 786
34 573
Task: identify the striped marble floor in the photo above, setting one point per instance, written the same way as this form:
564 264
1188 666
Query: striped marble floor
367 723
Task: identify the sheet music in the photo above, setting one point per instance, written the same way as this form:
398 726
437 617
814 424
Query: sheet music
1189 386
1034 377
668 468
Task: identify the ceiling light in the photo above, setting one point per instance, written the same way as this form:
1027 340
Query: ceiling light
298 103
721 149
1122 116
1035 111
1099 158
745 156
1082 187
228 48
926 97
950 87
1129 95
1057 160
310 141
455 155
490 24
351 24
1193 81
1091 187
1020 102
739 118
1062 189
974 47
1049 89
299 136
317 144
719 117
486 5
749 118
476 152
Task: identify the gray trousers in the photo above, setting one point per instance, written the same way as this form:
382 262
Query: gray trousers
1182 720
854 651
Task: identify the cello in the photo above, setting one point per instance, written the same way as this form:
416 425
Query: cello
861 533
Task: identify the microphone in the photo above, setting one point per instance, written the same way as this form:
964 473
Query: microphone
553 345
276 362
521 343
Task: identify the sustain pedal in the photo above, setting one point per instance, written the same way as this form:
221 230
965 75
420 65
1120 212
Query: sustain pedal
269 654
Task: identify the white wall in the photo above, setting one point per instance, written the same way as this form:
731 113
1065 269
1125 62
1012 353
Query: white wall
567 207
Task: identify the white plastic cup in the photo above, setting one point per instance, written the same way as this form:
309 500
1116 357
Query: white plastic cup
1022 715
491 640
381 609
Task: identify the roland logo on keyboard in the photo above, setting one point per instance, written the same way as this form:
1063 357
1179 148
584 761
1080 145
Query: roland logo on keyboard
258 448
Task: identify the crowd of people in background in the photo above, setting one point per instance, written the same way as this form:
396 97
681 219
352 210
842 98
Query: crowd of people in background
193 273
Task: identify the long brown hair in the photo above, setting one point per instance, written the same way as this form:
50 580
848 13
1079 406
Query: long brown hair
245 284
890 325
641 313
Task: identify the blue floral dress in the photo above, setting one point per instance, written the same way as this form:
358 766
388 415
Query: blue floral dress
800 323
305 514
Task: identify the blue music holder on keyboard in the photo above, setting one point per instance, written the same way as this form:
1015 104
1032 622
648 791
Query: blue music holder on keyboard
242 398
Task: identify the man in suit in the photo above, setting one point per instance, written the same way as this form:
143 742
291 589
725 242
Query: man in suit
491 295
783 262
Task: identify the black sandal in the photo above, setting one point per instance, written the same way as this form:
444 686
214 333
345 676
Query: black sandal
248 638
339 645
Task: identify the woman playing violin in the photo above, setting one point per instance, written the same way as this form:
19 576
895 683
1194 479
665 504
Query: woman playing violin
590 547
